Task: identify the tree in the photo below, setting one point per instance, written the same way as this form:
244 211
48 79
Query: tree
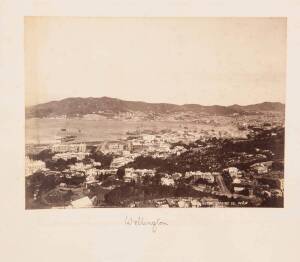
147 180
86 160
43 155
121 172
105 160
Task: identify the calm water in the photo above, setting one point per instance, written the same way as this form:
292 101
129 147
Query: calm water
47 130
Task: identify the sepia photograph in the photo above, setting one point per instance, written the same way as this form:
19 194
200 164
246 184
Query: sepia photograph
154 112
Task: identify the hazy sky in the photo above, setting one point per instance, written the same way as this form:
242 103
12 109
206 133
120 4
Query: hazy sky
177 60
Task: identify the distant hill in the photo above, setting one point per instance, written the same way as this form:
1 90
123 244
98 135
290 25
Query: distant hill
77 106
265 106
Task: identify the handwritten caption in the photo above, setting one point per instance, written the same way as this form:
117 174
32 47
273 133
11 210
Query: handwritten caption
141 221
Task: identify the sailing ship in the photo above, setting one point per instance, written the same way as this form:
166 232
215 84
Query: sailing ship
64 135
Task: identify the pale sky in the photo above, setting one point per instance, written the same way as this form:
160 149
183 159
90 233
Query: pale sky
206 61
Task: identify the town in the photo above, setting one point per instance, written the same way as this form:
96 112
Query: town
209 165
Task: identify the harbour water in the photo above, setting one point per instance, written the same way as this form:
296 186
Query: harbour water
46 130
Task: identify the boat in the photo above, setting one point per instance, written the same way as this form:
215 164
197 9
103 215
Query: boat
67 138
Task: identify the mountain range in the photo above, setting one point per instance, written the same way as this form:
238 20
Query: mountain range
77 106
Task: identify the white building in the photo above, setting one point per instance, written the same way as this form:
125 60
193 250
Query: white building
209 177
63 148
183 204
120 161
238 189
148 138
115 147
260 168
69 155
165 181
94 172
195 203
84 202
136 175
130 175
232 171
80 167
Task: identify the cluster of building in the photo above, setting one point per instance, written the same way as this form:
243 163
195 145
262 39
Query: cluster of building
187 202
68 151
260 180
69 155
208 176
33 166
137 175
69 148
122 161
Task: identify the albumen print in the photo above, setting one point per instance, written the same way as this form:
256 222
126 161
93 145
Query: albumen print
154 112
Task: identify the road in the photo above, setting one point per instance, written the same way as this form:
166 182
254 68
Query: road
222 185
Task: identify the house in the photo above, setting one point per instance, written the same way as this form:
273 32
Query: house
115 147
183 204
236 181
63 148
165 181
164 206
195 203
148 138
120 161
232 171
84 202
69 155
130 175
276 193
260 169
176 176
209 177
238 189
171 202
266 193
137 175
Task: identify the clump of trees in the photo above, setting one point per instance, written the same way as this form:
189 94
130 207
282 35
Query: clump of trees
216 154
146 162
60 164
104 159
41 181
120 173
38 182
44 155
132 192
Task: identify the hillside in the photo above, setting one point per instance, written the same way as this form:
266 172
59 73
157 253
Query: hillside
265 106
104 105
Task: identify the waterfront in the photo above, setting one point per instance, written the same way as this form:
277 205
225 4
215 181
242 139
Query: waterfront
211 162
45 130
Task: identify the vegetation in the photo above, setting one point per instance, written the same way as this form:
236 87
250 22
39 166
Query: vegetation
120 173
81 106
44 155
104 159
131 192
216 154
60 164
